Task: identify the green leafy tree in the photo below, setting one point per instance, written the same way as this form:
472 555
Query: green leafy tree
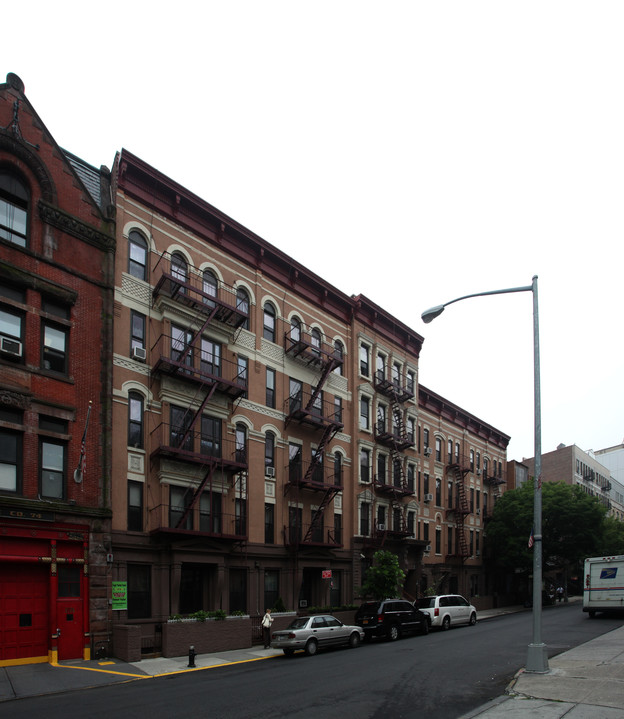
612 541
572 526
384 579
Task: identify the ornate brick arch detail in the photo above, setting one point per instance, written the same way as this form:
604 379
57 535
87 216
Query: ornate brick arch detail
34 164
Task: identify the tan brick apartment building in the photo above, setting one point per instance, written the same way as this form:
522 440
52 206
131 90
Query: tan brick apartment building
574 466
268 429
463 473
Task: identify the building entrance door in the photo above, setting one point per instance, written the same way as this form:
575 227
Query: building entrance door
69 613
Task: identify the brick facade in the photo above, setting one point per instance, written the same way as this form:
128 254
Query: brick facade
56 300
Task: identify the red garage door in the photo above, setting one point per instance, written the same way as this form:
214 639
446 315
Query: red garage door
24 607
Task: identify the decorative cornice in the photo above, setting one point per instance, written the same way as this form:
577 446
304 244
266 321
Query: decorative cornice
69 224
14 399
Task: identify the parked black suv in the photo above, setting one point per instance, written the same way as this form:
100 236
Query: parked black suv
390 618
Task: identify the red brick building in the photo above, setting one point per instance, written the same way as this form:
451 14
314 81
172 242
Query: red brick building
56 269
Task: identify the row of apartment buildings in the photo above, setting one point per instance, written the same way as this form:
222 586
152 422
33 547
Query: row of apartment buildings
191 420
595 472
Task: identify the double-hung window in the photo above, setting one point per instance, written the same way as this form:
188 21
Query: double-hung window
135 506
364 360
364 412
270 387
137 331
135 420
11 333
210 436
14 200
210 357
55 337
137 255
181 351
11 452
53 458
242 305
268 331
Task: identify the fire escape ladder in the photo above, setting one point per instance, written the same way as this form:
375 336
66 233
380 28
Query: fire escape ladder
319 454
197 494
462 511
196 336
318 514
198 414
328 365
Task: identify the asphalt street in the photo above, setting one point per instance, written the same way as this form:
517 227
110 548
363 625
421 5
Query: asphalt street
445 674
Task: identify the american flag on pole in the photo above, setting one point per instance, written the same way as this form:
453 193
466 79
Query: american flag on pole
531 539
82 462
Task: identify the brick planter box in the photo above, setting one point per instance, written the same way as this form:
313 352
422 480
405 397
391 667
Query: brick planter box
213 635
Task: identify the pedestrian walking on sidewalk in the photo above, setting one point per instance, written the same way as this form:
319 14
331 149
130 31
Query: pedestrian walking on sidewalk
559 593
267 620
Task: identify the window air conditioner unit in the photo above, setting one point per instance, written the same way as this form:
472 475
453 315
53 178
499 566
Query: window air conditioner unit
478 512
428 497
428 451
478 552
428 548
139 353
269 472
478 473
381 527
10 346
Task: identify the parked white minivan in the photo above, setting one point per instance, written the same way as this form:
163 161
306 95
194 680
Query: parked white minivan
443 610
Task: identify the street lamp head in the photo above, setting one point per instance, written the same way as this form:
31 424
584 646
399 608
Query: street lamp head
432 313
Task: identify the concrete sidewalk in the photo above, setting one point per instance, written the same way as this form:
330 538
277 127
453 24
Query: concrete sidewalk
584 683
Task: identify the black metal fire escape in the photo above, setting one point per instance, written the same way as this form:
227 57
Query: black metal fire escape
390 431
310 410
457 472
182 358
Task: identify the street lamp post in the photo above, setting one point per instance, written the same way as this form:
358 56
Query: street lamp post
537 656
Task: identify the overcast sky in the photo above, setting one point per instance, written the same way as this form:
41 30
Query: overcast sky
413 152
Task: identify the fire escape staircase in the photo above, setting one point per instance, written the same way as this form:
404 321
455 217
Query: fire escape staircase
328 497
210 309
461 509
328 362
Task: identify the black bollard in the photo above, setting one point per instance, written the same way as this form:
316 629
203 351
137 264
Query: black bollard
192 656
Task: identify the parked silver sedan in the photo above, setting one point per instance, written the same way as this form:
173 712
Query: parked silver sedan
314 633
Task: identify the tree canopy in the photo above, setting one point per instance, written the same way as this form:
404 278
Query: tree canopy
384 578
572 526
612 541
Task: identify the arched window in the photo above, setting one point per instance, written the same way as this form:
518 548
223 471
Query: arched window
179 267
315 341
14 201
268 331
339 355
338 469
269 450
137 255
241 443
295 329
210 285
242 305
135 420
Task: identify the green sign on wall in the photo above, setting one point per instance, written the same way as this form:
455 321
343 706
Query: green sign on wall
120 595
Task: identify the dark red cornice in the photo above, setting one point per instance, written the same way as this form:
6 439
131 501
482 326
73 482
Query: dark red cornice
435 403
158 192
374 316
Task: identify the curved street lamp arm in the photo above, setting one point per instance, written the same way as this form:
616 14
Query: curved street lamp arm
434 312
